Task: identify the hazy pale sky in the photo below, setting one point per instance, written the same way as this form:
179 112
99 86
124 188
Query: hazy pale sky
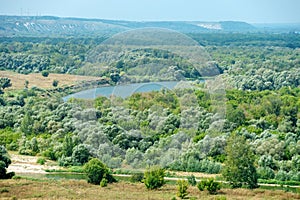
252 11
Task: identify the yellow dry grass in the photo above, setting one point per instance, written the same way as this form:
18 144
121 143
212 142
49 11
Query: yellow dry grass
80 189
36 79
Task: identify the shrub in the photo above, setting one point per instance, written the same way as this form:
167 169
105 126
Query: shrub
182 186
154 177
192 180
45 73
137 177
210 185
96 171
55 83
103 182
201 185
41 161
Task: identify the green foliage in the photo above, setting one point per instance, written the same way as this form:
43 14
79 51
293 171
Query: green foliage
80 154
45 73
4 83
201 185
239 166
103 182
68 145
182 186
154 177
29 147
96 171
210 185
192 180
27 124
191 164
282 176
151 128
41 161
4 163
9 138
137 177
235 115
55 83
265 173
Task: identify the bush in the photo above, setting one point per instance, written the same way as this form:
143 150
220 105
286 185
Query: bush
182 186
103 182
55 83
192 180
45 73
96 171
201 185
210 185
41 161
154 177
137 177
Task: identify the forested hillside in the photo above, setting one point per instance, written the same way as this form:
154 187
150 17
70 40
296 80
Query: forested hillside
175 129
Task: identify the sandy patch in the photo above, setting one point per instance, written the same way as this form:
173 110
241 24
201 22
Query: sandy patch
27 164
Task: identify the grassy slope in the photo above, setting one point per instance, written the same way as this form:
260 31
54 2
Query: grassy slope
18 80
74 189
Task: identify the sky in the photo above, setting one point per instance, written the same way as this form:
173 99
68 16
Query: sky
251 11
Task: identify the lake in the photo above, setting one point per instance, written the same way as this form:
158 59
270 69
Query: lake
122 90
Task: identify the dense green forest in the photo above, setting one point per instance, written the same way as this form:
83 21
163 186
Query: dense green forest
170 128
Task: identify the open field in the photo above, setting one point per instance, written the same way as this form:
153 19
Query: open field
36 79
80 189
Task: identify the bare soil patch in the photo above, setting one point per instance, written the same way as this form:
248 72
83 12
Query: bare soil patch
22 164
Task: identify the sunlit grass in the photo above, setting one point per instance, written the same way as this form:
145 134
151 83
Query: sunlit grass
80 189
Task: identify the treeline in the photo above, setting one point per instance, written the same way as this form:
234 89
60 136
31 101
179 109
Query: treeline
290 40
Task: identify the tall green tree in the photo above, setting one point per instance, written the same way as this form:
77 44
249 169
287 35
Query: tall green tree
27 124
239 169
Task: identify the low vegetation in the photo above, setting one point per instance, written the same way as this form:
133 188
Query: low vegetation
210 185
154 177
182 187
75 189
98 173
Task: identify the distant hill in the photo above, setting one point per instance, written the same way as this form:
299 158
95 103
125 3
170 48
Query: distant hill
57 26
50 25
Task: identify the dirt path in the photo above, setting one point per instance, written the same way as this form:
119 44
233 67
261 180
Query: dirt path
28 164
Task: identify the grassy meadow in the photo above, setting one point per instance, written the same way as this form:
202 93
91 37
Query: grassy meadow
36 79
80 189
